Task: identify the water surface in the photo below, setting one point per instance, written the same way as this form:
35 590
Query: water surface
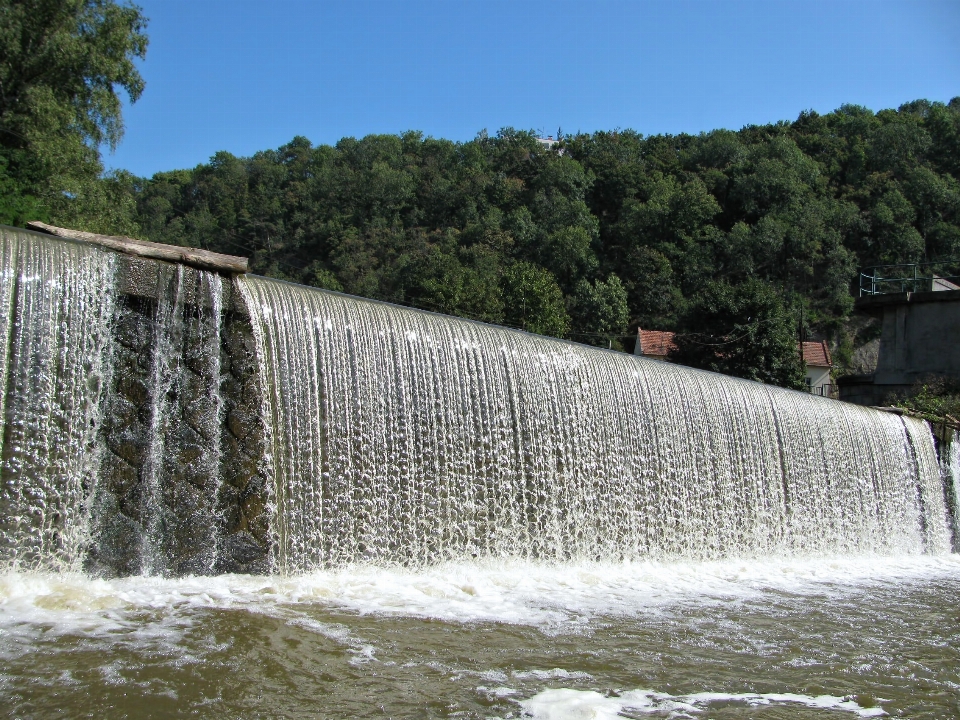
836 637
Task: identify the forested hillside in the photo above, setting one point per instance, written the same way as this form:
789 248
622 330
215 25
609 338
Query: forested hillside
738 240
593 236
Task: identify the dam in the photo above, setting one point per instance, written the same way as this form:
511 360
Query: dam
228 496
164 419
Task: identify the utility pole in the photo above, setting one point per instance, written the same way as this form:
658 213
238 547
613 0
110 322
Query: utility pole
800 335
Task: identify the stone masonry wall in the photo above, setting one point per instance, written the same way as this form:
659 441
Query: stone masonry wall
243 498
181 488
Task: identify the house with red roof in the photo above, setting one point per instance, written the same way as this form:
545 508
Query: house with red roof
658 344
816 359
655 344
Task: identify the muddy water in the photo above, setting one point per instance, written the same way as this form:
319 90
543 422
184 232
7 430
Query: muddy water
772 639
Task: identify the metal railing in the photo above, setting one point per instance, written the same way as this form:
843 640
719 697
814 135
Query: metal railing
909 278
826 390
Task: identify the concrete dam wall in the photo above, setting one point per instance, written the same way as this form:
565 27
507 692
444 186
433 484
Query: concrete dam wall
163 419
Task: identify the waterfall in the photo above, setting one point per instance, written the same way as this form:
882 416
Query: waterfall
56 306
401 436
163 420
181 472
950 470
111 410
156 508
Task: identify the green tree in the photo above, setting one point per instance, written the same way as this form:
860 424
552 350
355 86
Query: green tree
16 206
498 228
652 296
468 289
62 63
600 312
744 330
533 301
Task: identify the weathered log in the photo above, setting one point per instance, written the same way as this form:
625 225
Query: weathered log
203 259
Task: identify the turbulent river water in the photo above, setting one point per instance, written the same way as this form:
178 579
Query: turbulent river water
823 638
448 519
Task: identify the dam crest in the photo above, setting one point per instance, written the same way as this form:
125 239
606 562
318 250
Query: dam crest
164 418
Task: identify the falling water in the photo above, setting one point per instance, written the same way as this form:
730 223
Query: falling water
395 436
950 470
400 436
70 365
181 472
151 423
56 305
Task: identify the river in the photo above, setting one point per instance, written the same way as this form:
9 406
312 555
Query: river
707 547
789 638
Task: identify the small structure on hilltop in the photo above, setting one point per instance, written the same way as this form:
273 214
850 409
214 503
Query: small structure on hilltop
658 344
547 143
919 309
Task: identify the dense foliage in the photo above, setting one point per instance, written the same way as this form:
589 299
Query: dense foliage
595 235
728 237
742 330
936 400
62 63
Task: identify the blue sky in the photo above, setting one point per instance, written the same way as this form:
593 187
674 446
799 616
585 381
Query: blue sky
248 75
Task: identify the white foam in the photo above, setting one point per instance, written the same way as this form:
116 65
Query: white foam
549 597
569 704
559 597
555 673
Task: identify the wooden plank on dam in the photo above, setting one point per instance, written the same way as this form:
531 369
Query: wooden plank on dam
195 257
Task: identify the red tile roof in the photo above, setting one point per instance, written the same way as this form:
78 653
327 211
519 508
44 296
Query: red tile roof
817 354
658 344
655 343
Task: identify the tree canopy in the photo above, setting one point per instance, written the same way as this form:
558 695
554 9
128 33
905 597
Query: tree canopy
743 330
586 239
598 234
62 64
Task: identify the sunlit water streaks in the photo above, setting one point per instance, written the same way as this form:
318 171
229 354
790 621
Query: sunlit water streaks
398 436
56 305
468 521
60 308
185 422
950 471
405 437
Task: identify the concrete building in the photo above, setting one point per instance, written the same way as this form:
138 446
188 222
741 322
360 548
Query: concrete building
548 143
919 340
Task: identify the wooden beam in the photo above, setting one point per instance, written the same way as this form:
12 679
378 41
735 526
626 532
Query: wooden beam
195 257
